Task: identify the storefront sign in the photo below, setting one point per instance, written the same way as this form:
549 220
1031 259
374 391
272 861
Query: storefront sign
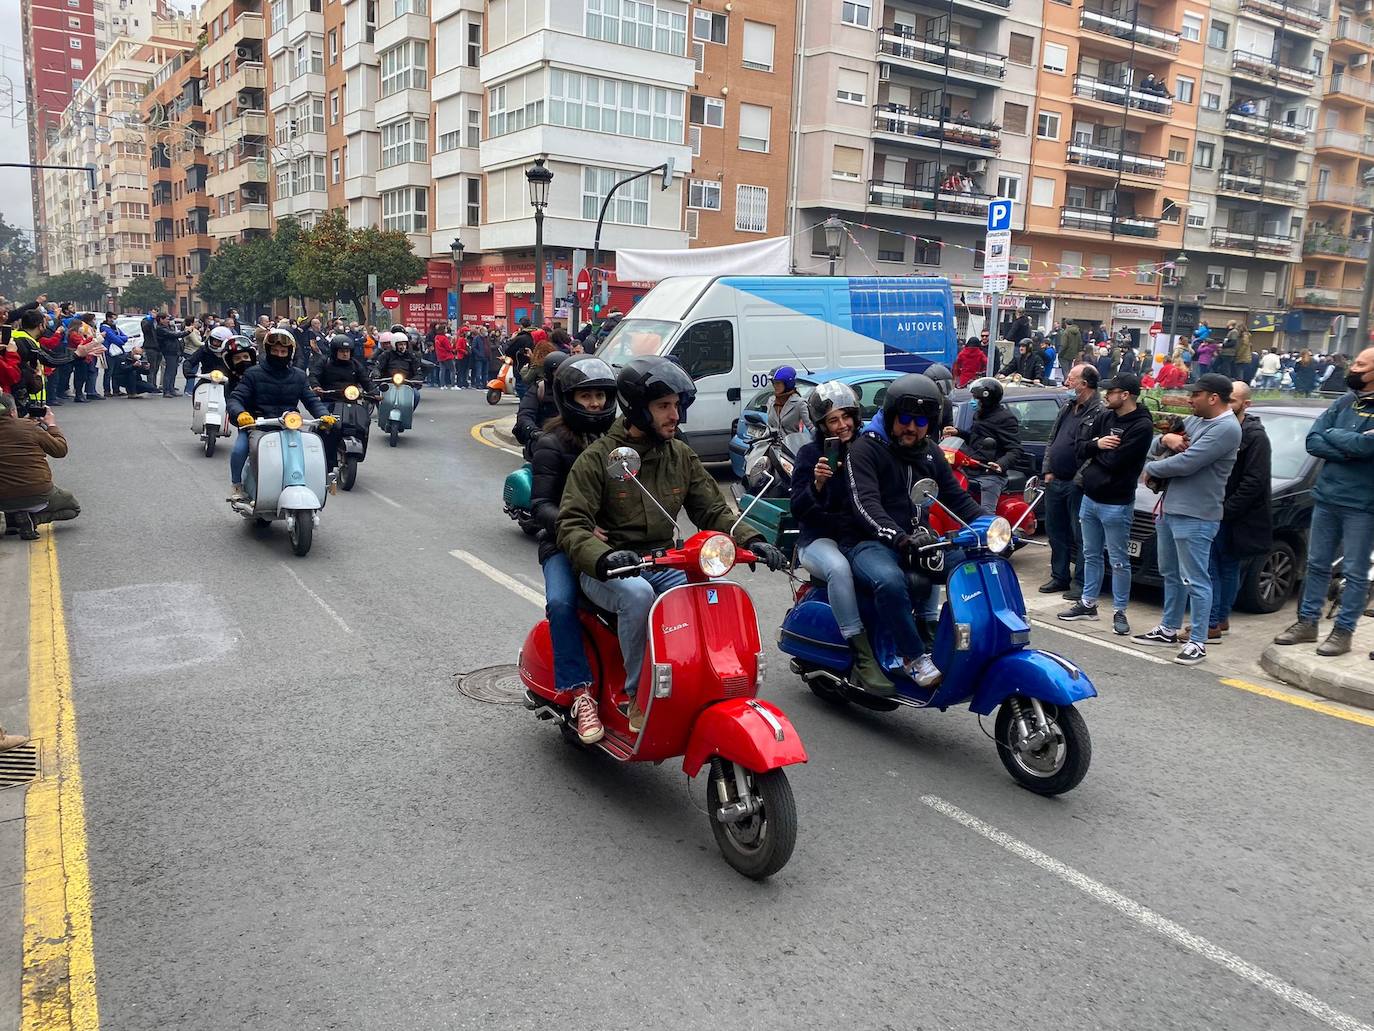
1136 312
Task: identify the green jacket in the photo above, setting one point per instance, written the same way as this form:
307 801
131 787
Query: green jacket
1070 344
671 472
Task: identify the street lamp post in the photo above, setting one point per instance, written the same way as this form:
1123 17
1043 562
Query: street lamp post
1367 294
834 236
456 249
539 179
1180 272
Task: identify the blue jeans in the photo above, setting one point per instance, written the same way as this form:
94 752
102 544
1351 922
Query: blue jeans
1062 501
446 369
823 559
1109 527
1225 573
877 570
1183 546
570 666
631 599
238 457
480 376
1337 530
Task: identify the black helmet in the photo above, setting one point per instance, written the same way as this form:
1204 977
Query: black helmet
827 397
987 392
912 394
944 379
583 372
552 361
338 342
650 378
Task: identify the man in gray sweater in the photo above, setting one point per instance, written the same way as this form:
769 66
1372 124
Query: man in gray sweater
1193 466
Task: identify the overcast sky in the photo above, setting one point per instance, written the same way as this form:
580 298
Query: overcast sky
15 202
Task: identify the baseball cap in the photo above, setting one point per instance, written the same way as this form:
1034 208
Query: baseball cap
1123 381
1212 383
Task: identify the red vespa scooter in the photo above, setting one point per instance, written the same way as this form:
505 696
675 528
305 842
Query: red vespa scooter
1011 506
698 690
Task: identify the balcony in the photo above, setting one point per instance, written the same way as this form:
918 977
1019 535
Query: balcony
1298 17
1348 88
1342 195
1095 220
1325 297
935 56
1256 187
1119 94
250 216
1353 33
1332 245
1104 158
933 132
246 123
1138 32
1342 139
1261 129
889 195
1263 68
1252 242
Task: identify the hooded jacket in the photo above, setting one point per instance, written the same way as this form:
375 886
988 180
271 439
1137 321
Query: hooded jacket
266 391
1070 344
1110 477
392 361
969 364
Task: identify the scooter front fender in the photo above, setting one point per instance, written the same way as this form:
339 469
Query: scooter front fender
1035 674
297 498
748 731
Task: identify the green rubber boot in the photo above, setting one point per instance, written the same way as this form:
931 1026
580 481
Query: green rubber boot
867 670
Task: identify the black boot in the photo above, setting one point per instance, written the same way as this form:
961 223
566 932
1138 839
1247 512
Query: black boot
27 531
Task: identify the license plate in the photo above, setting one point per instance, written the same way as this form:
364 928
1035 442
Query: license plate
1133 549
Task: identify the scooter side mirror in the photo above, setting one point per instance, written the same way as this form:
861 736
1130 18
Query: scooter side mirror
623 464
1032 492
923 490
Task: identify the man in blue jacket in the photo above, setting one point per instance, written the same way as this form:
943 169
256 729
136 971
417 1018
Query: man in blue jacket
1343 515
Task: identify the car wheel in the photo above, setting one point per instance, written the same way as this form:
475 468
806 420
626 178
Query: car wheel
1269 582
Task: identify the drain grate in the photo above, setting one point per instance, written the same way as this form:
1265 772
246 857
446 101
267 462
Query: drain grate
19 765
499 685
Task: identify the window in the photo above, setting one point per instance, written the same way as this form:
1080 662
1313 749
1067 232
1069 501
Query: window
755 125
333 46
608 105
1197 215
1216 277
1047 125
334 108
1056 58
635 23
73 23
1009 186
891 247
708 26
370 21
1219 34
77 64
1144 274
474 45
1270 284
335 168
851 86
856 12
631 204
1211 97
447 141
1022 49
405 66
1183 91
1102 266
1014 118
1204 154
1042 192
411 7
758 46
406 210
706 111
74 42
1192 26
1239 280
309 54
927 251
406 140
751 209
707 349
1178 150
1071 264
1037 418
474 129
703 194
473 201
848 163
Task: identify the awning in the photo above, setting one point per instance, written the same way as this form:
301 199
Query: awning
520 288
476 288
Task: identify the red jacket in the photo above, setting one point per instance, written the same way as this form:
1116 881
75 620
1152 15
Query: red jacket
443 348
1171 376
969 365
9 371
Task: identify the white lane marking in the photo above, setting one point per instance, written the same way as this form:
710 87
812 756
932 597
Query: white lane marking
494 574
318 600
1147 918
1135 653
171 452
382 497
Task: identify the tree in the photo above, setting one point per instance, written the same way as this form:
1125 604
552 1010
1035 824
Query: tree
144 293
272 260
334 261
16 259
228 277
87 289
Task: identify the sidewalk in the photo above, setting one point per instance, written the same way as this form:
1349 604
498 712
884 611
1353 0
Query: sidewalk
14 714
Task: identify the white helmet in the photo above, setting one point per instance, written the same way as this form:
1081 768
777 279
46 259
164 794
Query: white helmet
219 338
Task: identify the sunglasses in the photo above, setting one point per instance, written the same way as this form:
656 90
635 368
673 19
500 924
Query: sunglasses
906 419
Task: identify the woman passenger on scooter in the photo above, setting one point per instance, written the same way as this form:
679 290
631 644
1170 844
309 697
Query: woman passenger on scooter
583 392
824 514
787 413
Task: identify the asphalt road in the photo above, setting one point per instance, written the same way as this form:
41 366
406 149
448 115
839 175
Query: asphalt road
296 820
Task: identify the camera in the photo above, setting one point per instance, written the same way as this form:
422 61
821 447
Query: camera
35 409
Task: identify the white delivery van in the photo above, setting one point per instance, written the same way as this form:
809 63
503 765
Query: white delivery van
730 332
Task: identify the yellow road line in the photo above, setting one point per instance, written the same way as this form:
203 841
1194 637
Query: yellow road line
59 958
1325 709
477 436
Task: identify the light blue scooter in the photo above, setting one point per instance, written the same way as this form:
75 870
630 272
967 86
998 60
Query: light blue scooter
285 478
396 413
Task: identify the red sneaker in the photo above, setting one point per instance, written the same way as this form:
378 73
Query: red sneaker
585 720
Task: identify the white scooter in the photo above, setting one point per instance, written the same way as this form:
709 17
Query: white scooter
209 415
285 477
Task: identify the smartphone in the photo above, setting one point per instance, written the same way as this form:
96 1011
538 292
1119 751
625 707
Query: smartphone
1115 433
832 452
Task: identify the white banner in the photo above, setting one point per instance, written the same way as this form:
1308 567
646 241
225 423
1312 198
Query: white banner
761 258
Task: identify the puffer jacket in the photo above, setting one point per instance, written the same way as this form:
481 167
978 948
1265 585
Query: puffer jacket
328 374
392 361
265 392
533 412
553 456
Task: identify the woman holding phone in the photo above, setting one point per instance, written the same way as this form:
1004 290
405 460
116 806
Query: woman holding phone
824 515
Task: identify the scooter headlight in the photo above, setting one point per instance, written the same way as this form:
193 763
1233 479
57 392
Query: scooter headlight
216 376
352 393
753 431
398 379
291 420
999 535
717 555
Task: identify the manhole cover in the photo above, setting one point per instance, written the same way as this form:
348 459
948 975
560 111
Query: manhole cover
19 765
499 685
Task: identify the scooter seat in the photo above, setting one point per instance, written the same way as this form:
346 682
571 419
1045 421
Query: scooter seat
1016 482
608 619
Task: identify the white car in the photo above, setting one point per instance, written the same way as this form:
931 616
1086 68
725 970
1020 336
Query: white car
131 327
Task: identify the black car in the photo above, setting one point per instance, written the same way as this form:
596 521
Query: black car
1035 407
1267 581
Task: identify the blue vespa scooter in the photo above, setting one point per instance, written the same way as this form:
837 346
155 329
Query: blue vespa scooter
396 412
981 646
285 478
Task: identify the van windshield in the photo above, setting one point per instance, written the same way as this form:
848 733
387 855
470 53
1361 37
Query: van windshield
633 338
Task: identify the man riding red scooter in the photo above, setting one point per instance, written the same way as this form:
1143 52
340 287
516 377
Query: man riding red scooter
984 455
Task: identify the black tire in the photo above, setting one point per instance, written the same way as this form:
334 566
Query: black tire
261 524
761 845
211 439
393 436
302 532
494 397
1061 774
1270 581
348 472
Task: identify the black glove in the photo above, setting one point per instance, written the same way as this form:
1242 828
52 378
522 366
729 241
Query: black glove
910 543
616 560
773 557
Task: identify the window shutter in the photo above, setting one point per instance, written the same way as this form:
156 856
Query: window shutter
758 46
692 223
848 162
1014 118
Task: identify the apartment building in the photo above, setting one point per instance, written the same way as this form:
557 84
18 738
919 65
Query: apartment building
235 104
335 81
179 205
297 99
1336 244
131 19
362 84
458 102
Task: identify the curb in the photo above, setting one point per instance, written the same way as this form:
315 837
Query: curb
1318 675
502 432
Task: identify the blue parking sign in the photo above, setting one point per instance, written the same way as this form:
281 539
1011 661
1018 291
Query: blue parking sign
999 215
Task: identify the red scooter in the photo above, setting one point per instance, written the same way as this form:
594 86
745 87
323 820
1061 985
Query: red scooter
1011 506
701 672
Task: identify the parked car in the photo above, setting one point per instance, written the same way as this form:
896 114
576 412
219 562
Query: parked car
132 327
1269 580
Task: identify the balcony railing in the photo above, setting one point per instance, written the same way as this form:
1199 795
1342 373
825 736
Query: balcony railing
1326 297
1348 31
1335 245
894 118
1342 139
1263 66
1340 193
1121 95
1260 187
1258 125
1350 86
1298 15
1253 242
927 198
942 53
1097 20
1097 221
1093 155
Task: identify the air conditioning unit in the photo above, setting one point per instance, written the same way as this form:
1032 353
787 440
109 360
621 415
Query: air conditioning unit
978 164
1359 60
690 223
243 53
